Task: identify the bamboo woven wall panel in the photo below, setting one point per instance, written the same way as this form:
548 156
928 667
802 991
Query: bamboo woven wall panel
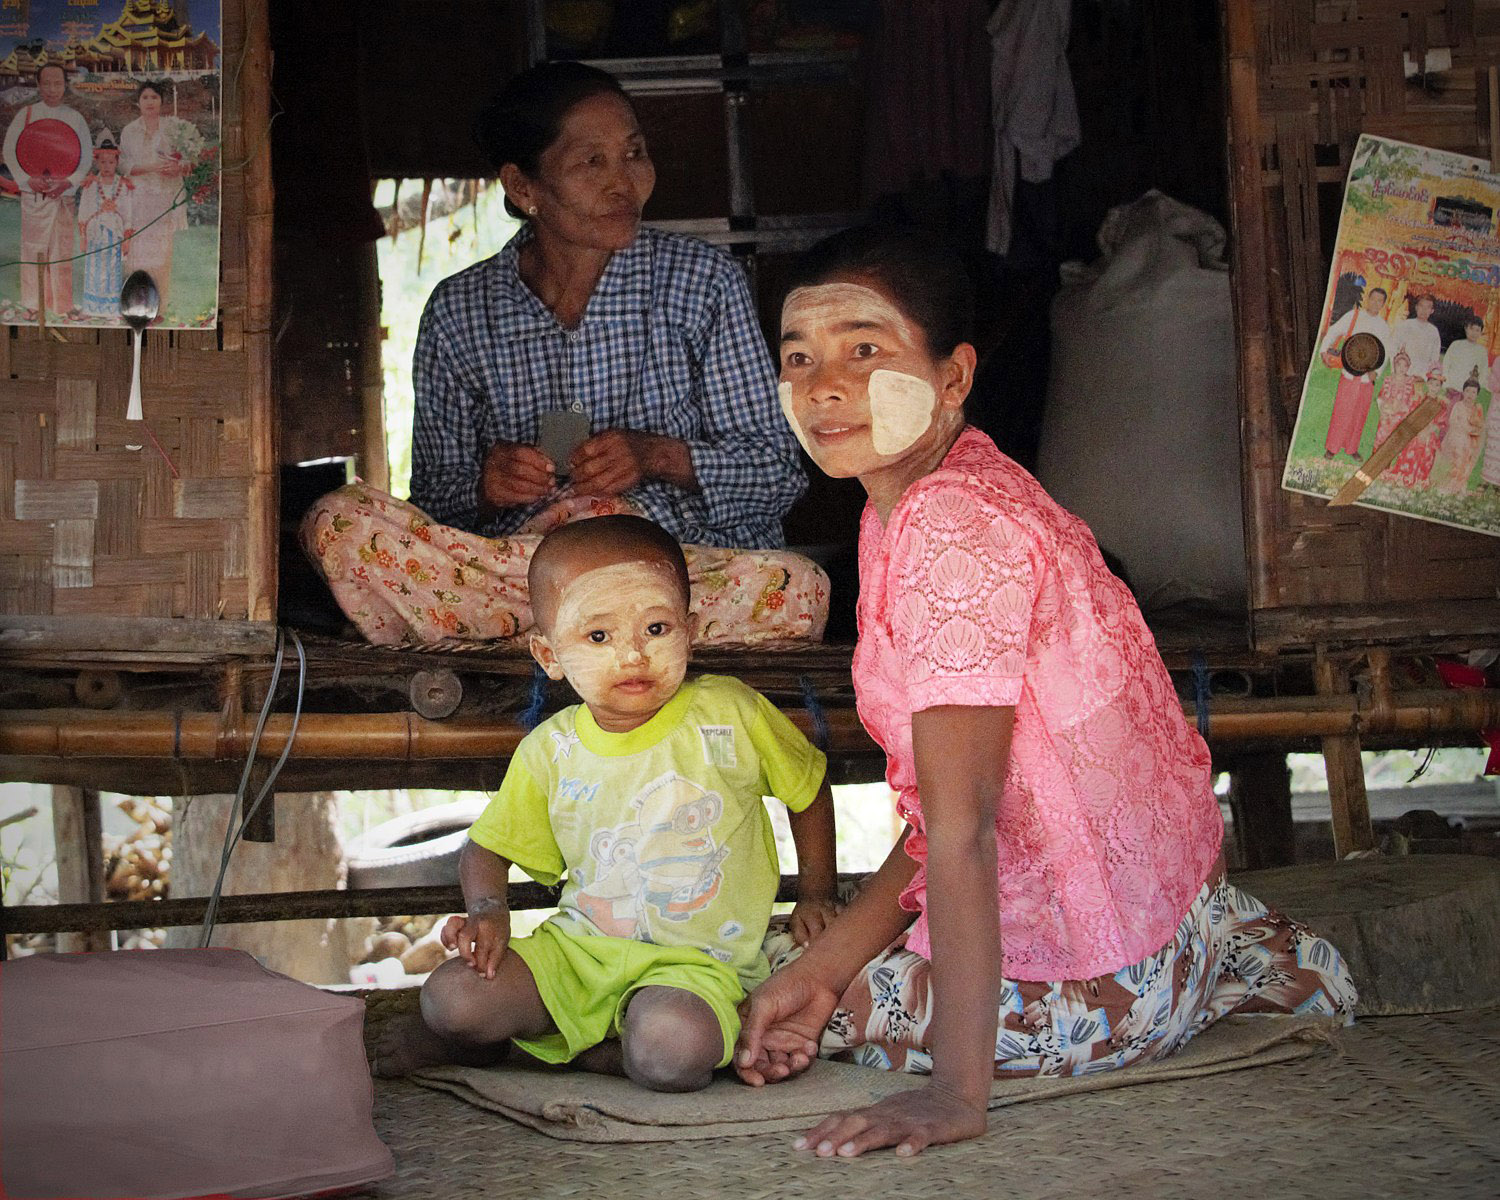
1306 78
88 526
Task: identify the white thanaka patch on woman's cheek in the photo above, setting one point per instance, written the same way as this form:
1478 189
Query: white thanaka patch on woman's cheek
784 394
900 410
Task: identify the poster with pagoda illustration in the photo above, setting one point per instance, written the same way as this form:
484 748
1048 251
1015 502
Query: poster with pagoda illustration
1399 409
111 117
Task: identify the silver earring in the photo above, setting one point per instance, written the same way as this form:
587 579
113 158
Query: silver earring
531 212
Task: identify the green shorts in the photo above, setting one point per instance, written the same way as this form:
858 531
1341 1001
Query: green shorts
587 981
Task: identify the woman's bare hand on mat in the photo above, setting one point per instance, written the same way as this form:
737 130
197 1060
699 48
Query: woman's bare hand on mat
910 1121
810 918
781 1024
515 474
480 937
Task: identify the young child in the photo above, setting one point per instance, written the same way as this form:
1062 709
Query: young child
647 797
105 220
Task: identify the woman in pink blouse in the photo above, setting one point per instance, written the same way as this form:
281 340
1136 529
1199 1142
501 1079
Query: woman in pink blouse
1063 847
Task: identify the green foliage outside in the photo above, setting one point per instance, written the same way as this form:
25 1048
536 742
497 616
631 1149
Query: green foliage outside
452 243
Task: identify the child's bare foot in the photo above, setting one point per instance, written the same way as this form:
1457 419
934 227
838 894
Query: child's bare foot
406 1044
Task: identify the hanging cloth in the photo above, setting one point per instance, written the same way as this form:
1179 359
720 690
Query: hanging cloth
1033 107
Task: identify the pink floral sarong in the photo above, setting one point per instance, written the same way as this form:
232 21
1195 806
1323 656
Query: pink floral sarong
401 578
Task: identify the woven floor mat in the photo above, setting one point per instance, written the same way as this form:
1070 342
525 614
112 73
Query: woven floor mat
577 1106
1408 1106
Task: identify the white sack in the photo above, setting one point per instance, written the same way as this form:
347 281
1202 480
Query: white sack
1140 436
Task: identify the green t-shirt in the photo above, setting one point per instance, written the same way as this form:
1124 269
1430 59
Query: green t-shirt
661 831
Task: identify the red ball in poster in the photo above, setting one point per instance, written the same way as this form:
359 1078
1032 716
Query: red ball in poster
48 147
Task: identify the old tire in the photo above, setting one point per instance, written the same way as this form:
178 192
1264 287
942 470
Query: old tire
419 849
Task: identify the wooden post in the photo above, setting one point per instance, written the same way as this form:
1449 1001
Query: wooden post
1260 793
248 126
1259 472
375 459
78 831
1346 772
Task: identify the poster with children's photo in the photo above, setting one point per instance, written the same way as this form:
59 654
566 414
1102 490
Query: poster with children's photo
1397 409
111 116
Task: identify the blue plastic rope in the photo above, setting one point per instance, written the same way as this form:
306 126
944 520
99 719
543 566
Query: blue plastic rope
815 711
1200 691
531 716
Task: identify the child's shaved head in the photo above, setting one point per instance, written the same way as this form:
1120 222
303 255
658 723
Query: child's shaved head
568 552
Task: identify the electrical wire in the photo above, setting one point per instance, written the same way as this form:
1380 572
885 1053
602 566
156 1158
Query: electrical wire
232 834
1425 763
182 198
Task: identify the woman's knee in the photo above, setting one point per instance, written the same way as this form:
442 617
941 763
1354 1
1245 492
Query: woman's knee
672 1040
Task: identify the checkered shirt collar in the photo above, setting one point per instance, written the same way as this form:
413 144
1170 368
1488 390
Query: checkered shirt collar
623 292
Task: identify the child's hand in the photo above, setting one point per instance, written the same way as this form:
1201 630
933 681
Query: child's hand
810 918
480 936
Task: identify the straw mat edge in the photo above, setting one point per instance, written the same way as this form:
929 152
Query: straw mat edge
577 1106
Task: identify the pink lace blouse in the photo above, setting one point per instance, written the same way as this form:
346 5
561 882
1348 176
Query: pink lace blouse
982 591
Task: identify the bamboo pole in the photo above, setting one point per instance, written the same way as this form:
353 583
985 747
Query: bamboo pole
1259 486
1416 716
283 906
254 127
1349 802
77 830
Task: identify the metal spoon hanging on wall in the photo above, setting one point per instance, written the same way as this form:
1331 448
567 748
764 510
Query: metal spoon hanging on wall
139 304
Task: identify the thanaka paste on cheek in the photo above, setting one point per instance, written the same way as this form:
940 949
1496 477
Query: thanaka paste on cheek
618 599
900 410
784 394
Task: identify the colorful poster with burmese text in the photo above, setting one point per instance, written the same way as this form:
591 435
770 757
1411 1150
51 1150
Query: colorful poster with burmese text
1398 410
110 111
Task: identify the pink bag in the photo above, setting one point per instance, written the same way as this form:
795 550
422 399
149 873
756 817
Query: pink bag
170 1073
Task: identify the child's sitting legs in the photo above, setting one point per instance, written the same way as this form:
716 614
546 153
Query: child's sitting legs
461 1006
671 1040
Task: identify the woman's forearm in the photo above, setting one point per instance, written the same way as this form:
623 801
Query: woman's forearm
963 925
961 758
670 460
868 925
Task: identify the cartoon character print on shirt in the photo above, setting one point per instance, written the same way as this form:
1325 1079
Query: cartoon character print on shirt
661 868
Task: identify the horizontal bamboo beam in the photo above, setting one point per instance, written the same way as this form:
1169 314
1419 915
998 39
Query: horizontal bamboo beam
1417 716
282 906
204 777
137 636
1435 625
66 733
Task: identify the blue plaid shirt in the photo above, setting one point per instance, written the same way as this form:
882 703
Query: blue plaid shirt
669 344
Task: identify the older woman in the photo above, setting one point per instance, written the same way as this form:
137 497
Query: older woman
644 344
1062 855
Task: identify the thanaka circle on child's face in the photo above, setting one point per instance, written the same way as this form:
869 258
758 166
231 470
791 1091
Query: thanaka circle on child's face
858 384
620 635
